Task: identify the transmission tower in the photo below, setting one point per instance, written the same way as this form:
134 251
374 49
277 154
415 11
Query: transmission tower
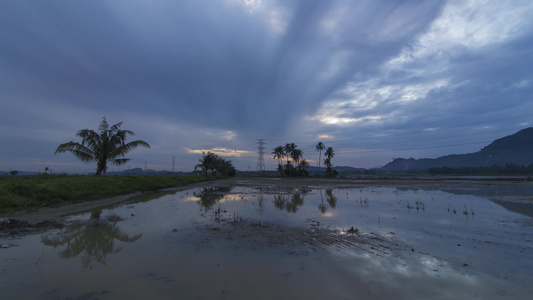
260 155
173 161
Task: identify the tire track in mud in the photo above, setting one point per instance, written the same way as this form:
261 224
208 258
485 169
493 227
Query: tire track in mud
307 235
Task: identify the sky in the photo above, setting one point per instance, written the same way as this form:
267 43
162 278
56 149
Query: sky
374 80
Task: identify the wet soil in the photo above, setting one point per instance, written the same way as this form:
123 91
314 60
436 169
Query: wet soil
508 192
268 238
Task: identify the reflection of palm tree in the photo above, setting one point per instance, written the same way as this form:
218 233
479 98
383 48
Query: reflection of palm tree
209 196
281 202
322 207
332 200
296 200
95 237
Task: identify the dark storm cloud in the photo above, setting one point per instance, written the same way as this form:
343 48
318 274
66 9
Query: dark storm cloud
194 75
203 61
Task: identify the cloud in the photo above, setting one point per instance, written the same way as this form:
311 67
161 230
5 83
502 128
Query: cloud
224 152
221 74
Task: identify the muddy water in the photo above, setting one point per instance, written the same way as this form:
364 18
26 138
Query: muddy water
238 242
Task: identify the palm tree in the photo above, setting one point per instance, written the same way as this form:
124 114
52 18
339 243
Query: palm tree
207 162
329 154
289 150
302 167
279 154
216 164
319 147
107 146
297 155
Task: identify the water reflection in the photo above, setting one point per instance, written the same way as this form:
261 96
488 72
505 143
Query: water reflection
331 200
398 252
96 238
209 196
290 204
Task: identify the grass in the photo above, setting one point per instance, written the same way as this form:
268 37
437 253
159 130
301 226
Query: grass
27 193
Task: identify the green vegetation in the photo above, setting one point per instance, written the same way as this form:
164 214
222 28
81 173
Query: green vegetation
296 166
216 164
329 154
23 193
107 146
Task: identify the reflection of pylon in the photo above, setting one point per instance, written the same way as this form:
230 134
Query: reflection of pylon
260 157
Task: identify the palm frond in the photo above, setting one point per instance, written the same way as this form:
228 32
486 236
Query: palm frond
80 151
124 149
103 125
120 161
116 127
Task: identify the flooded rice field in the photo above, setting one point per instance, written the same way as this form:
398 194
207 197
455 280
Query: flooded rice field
236 240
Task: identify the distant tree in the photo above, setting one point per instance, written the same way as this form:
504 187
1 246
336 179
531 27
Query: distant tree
329 154
319 147
303 165
279 154
207 162
289 150
216 164
14 173
296 166
297 155
106 146
225 167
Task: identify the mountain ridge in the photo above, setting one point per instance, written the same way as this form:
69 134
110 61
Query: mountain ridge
512 149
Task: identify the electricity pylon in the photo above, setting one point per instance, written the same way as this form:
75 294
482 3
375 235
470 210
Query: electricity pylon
260 155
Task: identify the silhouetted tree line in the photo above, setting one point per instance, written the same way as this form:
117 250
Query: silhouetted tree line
215 164
329 154
295 164
508 169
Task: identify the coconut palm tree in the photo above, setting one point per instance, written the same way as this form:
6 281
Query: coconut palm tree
216 164
297 155
329 154
207 162
289 150
319 147
279 154
106 146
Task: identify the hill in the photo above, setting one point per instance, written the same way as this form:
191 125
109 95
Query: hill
513 149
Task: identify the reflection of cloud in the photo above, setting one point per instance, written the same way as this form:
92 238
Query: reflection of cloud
421 275
209 196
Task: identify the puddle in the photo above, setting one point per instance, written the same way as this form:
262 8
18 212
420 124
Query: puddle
237 242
